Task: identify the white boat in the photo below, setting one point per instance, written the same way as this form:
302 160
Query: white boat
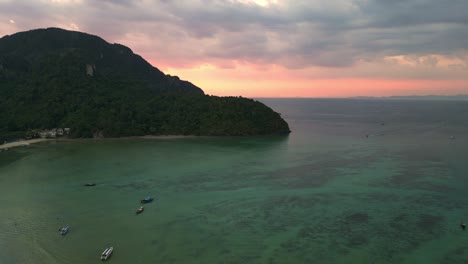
140 210
63 230
106 253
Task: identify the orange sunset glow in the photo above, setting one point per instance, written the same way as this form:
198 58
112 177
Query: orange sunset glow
276 48
279 84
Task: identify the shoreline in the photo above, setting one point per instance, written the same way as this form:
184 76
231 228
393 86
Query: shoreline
166 136
138 137
25 143
22 143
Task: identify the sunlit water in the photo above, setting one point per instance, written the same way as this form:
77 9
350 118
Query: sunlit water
324 194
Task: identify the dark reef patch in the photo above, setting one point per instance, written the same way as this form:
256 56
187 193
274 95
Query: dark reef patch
357 218
9 157
458 255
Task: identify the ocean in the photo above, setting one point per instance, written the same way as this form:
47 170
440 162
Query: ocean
357 181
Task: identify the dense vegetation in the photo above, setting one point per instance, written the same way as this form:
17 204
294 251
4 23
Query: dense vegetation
56 78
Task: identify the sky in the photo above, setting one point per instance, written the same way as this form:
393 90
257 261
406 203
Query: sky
277 48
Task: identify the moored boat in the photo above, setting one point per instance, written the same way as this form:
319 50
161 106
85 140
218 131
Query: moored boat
89 184
106 253
63 230
140 210
147 200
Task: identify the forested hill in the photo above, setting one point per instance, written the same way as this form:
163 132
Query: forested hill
57 55
57 78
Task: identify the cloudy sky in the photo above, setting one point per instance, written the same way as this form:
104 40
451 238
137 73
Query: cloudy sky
277 48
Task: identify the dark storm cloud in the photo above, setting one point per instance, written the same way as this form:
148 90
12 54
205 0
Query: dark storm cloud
333 34
398 13
295 34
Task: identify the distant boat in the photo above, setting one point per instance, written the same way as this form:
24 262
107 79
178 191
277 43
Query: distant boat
106 253
63 230
140 210
147 200
89 184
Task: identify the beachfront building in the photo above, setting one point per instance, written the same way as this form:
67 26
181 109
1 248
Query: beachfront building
54 132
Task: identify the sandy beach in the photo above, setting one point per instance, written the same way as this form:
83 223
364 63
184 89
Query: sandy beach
22 143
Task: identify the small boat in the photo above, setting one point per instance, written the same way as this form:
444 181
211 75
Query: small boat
147 200
140 210
63 230
106 253
89 184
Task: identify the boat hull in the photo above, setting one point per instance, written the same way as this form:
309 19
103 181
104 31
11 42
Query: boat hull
140 210
107 253
146 200
63 230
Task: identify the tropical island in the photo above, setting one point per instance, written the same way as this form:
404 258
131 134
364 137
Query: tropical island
54 78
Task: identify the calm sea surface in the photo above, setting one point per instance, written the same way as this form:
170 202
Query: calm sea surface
324 194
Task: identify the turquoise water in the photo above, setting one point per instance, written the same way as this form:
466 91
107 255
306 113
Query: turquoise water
324 194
